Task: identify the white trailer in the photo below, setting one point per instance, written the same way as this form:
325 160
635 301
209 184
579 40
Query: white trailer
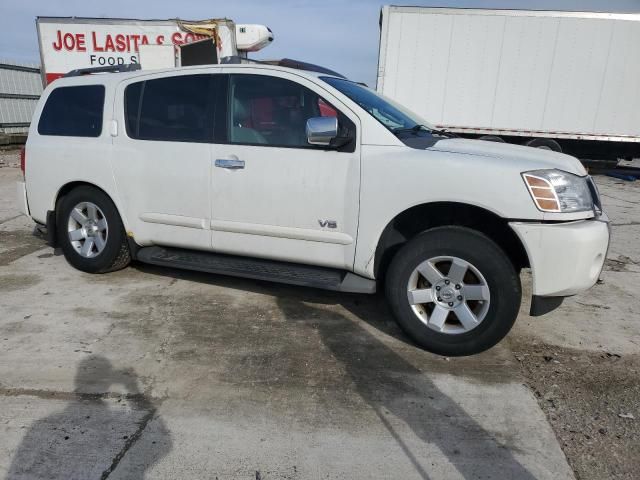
567 81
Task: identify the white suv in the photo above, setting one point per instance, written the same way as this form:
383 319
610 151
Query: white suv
308 178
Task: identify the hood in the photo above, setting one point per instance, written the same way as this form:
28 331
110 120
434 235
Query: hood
529 158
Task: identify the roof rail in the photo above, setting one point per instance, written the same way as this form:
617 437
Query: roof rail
288 62
235 60
284 62
129 67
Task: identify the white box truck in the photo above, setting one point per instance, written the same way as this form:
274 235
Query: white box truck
74 43
566 81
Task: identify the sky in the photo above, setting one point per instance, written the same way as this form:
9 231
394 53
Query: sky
342 35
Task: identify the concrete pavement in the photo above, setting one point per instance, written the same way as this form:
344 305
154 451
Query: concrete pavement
160 374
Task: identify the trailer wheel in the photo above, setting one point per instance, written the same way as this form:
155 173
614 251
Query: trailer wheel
491 138
545 144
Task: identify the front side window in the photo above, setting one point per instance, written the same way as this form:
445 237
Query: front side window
273 111
73 112
178 109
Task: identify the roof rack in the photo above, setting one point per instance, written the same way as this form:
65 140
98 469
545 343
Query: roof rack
284 62
129 67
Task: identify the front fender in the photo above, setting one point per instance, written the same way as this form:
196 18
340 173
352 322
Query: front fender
395 179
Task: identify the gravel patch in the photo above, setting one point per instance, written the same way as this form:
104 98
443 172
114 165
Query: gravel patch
9 157
592 402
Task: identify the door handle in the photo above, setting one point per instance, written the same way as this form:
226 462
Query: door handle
230 163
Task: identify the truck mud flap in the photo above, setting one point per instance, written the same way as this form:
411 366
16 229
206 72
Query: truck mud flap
543 305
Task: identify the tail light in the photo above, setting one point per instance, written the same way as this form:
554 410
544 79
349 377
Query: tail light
23 160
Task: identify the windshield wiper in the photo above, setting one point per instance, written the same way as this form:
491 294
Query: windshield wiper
444 132
416 128
434 131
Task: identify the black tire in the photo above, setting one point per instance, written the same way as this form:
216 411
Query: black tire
485 255
115 254
491 138
545 144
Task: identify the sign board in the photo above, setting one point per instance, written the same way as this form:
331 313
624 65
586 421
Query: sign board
70 43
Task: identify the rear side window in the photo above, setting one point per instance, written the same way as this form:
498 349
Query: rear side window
73 112
178 109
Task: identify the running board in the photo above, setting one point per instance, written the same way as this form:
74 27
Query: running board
256 268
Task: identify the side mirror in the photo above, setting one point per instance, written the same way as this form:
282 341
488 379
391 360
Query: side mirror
322 130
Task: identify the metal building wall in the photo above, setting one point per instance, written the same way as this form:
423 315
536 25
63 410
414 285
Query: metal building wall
20 88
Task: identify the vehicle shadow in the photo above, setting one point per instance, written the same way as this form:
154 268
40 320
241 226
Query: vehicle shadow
89 438
393 387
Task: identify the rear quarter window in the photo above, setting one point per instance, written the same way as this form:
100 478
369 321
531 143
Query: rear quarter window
73 112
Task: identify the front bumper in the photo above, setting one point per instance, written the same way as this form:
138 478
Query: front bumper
565 258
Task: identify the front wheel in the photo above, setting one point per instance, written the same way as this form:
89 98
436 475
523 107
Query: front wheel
90 231
453 291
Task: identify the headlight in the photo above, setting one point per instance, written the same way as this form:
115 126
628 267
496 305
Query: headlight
558 191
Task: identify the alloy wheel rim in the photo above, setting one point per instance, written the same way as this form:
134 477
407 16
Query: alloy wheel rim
448 295
88 229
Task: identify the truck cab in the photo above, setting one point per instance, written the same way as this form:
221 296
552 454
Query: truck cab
308 178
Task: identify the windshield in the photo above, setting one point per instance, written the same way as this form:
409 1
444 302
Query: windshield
392 115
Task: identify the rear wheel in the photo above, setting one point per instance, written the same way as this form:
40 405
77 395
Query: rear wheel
90 232
453 291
